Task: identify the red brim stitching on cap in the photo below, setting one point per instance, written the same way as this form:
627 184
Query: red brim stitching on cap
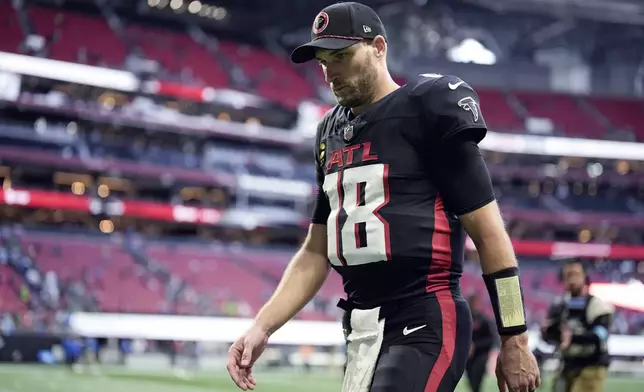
339 37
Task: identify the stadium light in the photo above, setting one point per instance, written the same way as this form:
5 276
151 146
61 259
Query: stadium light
103 191
176 4
106 226
78 188
194 7
595 170
219 13
471 51
205 10
153 3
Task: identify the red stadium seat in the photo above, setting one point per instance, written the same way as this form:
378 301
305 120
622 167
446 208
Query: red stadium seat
9 28
564 112
622 113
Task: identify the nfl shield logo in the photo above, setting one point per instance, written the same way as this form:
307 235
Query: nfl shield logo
347 133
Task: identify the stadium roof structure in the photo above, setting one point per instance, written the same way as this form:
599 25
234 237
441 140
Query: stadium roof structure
588 26
614 11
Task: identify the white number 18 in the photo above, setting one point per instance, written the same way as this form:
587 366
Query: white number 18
343 190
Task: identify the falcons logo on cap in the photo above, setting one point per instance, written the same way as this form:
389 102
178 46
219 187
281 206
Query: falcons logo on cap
320 23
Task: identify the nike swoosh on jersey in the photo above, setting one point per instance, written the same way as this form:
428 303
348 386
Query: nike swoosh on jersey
455 85
407 331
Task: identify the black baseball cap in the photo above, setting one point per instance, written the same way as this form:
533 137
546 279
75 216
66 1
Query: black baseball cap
339 26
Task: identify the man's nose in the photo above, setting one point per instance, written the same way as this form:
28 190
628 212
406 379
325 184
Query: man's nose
331 74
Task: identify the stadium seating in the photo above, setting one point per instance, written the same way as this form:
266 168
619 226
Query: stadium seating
498 112
9 300
248 277
276 79
9 28
273 77
622 113
564 112
106 269
174 51
68 32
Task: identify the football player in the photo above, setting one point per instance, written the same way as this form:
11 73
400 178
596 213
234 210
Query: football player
401 180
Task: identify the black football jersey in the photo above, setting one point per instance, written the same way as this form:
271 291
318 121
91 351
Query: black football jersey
390 233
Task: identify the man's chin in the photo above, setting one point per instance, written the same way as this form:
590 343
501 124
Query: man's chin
346 102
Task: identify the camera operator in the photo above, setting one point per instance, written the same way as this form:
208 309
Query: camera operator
578 324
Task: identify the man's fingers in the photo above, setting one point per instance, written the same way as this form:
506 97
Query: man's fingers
233 370
236 373
500 382
534 382
246 355
249 384
247 378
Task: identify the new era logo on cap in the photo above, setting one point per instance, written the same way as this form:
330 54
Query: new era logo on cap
339 26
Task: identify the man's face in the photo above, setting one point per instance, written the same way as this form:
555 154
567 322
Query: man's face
574 278
351 73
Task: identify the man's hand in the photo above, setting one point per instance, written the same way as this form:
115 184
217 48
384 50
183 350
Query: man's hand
566 337
243 354
516 367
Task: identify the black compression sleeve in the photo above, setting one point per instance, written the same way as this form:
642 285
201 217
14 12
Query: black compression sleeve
461 176
321 209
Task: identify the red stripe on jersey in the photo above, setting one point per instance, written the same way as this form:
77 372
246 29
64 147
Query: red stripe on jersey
441 262
448 325
356 233
385 180
356 226
337 220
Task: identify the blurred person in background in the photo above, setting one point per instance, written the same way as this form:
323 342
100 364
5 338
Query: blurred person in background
579 324
400 179
81 353
483 340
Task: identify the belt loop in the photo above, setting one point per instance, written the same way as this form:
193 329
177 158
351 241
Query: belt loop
345 305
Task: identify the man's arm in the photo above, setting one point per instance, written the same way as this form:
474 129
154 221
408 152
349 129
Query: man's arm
309 268
466 188
600 317
302 279
456 125
500 271
550 327
597 334
485 227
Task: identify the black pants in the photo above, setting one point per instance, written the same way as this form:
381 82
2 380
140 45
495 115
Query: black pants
425 345
476 368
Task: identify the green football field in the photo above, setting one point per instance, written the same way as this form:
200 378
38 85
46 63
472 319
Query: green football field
21 378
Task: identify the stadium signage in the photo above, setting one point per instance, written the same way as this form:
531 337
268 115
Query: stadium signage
210 216
69 72
129 82
226 330
562 146
560 250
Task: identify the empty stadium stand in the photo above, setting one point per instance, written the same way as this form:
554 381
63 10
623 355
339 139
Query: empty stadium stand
274 78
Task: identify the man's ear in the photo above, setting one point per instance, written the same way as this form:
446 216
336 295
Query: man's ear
380 45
